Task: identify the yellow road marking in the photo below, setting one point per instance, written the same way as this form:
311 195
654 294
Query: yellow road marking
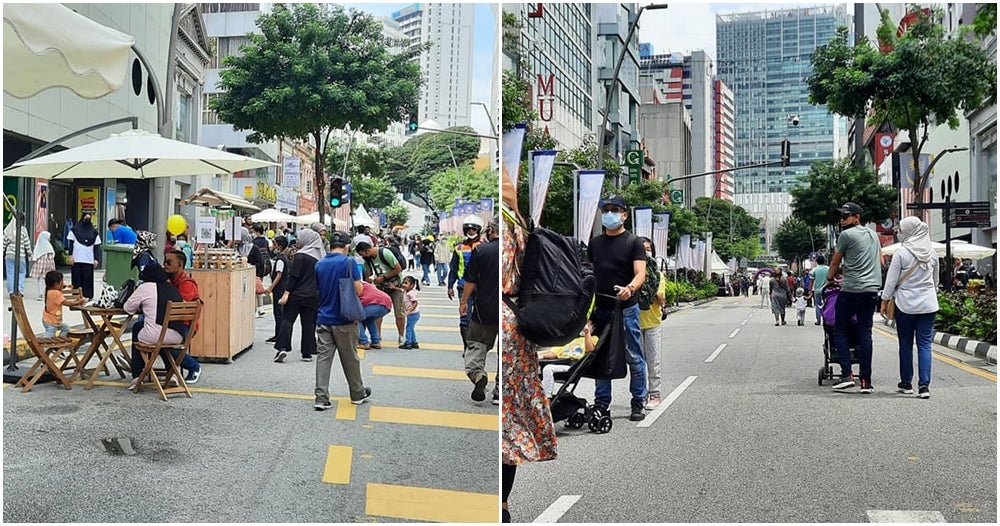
338 465
436 328
948 360
366 456
427 417
417 372
441 316
346 410
361 353
430 505
427 347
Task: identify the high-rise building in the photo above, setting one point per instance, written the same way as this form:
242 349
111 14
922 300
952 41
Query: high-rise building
611 24
764 57
446 96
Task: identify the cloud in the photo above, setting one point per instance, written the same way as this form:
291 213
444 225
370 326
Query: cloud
681 28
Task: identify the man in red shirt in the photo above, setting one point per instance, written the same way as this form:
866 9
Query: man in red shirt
173 265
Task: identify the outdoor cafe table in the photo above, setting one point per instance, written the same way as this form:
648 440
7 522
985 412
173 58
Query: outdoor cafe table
101 320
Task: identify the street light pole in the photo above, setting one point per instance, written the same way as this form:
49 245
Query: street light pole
614 80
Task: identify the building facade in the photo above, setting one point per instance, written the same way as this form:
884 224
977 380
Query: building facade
611 24
666 131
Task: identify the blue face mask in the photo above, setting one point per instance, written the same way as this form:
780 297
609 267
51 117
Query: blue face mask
611 220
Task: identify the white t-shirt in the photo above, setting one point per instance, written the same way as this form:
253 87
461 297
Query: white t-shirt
82 253
279 265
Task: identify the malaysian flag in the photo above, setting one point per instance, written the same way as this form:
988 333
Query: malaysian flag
907 193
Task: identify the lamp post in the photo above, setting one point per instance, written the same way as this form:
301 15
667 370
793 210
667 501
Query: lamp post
614 79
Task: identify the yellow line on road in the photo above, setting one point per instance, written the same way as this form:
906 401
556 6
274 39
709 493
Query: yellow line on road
338 465
947 359
430 505
417 372
436 328
426 417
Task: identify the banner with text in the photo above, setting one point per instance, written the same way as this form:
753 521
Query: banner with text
290 168
661 234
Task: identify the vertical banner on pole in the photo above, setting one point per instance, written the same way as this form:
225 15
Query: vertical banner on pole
643 221
512 142
699 256
684 252
543 161
661 234
709 258
591 182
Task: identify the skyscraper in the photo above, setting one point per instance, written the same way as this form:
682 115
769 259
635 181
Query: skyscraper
446 96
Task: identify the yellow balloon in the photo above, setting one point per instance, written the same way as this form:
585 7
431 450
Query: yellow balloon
176 224
270 234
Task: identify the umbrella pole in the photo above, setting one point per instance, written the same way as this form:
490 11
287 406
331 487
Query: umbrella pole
18 224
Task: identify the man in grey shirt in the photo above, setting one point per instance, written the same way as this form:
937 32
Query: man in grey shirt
857 252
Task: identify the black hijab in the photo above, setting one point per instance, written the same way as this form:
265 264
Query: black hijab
165 291
84 231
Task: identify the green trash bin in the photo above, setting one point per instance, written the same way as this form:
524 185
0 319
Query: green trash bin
118 264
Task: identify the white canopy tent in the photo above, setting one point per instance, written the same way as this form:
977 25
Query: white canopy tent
272 215
309 219
362 218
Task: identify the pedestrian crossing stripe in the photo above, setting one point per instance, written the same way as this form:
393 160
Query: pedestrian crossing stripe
426 347
430 505
417 372
428 417
338 465
905 516
436 328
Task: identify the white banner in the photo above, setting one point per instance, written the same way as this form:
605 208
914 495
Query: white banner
544 161
699 256
661 234
684 252
589 195
512 141
291 170
642 221
707 262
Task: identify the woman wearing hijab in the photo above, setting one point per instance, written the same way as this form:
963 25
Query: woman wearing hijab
913 279
9 248
150 299
142 253
82 241
43 261
301 297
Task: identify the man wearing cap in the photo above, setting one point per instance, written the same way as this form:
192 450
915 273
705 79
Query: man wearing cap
619 260
482 286
383 270
857 253
334 333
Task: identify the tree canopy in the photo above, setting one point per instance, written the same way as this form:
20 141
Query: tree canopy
828 185
412 165
313 69
463 182
795 239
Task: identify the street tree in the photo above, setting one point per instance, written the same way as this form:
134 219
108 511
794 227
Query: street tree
362 160
314 69
396 214
373 192
795 239
728 223
923 79
410 166
465 183
828 185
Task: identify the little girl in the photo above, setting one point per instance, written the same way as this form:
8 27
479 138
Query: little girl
43 261
411 306
800 305
52 317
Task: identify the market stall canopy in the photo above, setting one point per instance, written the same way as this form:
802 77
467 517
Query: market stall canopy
272 215
49 45
362 218
215 198
134 154
309 219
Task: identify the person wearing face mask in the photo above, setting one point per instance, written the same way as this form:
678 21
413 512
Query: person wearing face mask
277 287
472 227
83 239
619 260
857 254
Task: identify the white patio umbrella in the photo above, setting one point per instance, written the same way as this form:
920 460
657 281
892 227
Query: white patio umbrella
965 250
271 215
888 250
49 45
309 219
134 154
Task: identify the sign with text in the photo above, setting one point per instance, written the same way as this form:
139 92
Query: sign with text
677 197
291 171
633 163
975 214
88 202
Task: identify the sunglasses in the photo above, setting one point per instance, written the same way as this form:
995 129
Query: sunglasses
845 215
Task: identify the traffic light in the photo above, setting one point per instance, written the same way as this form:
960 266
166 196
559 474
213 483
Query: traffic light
336 192
786 152
412 125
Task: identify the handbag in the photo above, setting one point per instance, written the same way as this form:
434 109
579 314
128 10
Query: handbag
609 361
350 304
890 307
124 293
260 287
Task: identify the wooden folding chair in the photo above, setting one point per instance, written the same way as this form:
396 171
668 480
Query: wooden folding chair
176 312
43 348
79 335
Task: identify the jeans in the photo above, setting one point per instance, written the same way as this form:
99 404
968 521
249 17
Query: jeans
411 324
818 304
442 274
23 271
862 305
633 355
188 362
373 313
50 330
426 279
920 326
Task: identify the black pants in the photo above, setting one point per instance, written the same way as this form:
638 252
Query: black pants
507 474
82 275
279 311
307 318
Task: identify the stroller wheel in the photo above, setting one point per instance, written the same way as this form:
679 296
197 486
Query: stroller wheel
822 373
576 421
604 425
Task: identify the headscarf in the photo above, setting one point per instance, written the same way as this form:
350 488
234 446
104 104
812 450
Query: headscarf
43 246
311 244
165 291
246 244
84 231
145 241
318 227
917 238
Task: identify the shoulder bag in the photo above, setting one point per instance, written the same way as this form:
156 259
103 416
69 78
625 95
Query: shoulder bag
890 308
350 304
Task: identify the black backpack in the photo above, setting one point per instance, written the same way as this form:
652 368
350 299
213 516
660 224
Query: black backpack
260 260
649 288
556 290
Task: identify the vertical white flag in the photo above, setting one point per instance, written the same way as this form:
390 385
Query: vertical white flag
512 141
709 252
699 256
643 221
661 234
684 252
544 161
589 196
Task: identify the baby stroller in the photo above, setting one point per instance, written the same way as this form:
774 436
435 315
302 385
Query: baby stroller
830 356
565 405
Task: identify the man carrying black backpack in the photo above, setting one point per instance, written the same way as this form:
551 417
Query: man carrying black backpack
619 260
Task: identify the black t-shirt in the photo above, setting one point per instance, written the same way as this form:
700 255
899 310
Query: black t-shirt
484 271
613 258
301 281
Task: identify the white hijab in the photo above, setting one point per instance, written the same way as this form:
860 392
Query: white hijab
917 238
310 243
42 246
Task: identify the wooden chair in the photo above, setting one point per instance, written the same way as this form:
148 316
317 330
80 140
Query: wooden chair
176 312
43 348
80 335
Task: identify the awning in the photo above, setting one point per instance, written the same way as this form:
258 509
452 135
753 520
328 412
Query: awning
219 199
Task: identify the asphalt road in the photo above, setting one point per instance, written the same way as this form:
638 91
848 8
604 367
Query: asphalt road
752 437
249 447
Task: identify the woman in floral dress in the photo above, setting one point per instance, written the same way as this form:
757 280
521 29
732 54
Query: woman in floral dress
528 432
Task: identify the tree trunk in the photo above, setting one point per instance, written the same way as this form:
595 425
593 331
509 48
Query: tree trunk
919 178
319 179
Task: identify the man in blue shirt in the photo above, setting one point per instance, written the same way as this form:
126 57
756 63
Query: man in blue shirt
334 333
121 233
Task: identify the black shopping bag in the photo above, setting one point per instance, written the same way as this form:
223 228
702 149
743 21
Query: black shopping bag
609 362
